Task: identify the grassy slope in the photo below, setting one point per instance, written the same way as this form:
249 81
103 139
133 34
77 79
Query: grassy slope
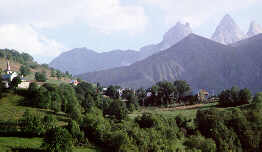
9 143
11 110
190 113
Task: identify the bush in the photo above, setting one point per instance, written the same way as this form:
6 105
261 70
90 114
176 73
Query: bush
95 126
24 70
58 140
34 124
117 109
200 143
147 120
77 134
41 77
31 124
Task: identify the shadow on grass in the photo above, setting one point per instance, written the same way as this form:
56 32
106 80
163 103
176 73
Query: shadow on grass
26 150
52 113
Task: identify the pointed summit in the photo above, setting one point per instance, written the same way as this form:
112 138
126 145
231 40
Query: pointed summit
175 34
254 29
227 31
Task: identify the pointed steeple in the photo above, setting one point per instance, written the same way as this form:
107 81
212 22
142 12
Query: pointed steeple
8 68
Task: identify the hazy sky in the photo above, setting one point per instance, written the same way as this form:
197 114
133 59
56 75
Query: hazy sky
45 28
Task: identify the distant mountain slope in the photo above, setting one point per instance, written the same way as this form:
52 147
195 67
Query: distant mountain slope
228 31
200 61
83 60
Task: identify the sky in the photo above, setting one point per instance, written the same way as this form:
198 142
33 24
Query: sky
47 28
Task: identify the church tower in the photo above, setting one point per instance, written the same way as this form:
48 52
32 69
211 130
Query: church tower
8 68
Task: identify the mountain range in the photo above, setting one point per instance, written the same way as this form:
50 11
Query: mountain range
200 61
83 60
228 58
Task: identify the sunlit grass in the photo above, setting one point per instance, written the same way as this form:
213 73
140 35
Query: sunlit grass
189 113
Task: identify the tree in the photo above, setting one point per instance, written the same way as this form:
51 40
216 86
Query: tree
182 87
59 74
41 77
15 82
89 102
25 70
235 97
53 73
75 131
58 140
132 103
117 109
112 92
166 92
2 87
245 96
141 94
31 124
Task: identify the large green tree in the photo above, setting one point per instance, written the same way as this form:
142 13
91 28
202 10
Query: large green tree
112 92
166 92
182 87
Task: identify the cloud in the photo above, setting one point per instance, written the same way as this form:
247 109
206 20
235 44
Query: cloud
104 15
25 39
18 17
197 12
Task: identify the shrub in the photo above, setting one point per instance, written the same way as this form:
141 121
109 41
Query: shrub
41 77
117 109
147 120
58 140
77 134
200 143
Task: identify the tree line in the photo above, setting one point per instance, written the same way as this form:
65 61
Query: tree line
102 119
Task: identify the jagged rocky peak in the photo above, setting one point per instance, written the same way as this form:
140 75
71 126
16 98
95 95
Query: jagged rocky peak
254 29
175 34
228 31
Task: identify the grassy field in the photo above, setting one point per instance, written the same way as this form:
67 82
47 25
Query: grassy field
33 144
190 113
11 143
11 109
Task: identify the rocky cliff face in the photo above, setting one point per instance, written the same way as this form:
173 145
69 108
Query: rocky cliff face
254 29
228 31
172 37
175 34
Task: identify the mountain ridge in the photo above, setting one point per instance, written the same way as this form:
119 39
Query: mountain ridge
88 60
200 61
